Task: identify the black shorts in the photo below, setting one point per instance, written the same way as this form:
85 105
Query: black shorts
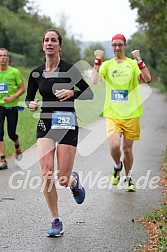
62 136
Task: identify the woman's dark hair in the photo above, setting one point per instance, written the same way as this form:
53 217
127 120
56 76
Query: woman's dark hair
59 36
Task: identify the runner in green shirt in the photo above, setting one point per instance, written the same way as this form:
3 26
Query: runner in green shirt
123 104
11 87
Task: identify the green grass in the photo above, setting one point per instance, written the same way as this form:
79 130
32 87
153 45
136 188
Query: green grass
87 111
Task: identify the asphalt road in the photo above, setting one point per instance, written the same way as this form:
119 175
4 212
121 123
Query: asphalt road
103 223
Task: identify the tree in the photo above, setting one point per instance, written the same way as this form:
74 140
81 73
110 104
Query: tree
139 40
71 50
152 17
14 5
21 33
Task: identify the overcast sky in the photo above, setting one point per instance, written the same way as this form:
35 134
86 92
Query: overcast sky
90 20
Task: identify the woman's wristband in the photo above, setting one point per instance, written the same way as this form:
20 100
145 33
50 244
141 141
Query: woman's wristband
97 62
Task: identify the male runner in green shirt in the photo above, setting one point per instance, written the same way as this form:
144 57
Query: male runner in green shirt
123 104
11 87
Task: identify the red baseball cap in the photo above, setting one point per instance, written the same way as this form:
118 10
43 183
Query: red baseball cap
119 36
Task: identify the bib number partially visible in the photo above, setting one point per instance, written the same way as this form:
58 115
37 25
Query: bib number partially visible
3 88
63 120
119 95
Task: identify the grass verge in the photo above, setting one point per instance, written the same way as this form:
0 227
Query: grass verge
155 222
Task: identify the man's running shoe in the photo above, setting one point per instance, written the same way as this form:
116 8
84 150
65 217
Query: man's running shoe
129 185
115 175
78 191
3 165
56 229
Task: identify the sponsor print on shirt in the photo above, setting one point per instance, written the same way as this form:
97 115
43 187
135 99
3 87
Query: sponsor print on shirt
120 73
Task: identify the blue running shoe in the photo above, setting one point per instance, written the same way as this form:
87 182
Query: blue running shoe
56 229
78 191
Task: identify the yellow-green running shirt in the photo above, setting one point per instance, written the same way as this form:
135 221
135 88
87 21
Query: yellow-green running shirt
123 97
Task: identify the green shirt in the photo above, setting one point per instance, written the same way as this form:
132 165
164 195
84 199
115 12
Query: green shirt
123 98
10 79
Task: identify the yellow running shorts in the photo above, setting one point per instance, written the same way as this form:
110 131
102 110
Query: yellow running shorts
130 128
